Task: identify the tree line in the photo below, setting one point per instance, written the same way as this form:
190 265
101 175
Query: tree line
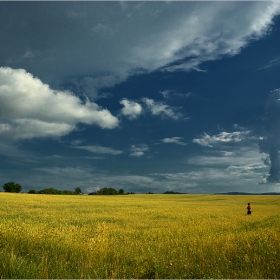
16 188
55 191
108 191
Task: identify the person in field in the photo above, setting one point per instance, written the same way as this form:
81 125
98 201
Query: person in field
249 209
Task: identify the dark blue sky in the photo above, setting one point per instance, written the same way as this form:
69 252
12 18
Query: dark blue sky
144 96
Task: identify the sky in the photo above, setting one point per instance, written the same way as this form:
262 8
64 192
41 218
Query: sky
144 96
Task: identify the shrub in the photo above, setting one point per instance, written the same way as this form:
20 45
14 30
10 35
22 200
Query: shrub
32 191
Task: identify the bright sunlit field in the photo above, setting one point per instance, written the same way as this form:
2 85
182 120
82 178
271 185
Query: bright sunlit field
139 236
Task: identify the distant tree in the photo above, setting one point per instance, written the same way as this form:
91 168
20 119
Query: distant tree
55 191
78 190
32 191
50 191
12 187
67 192
121 191
105 191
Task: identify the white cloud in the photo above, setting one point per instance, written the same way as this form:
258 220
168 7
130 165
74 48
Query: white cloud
131 109
29 108
175 140
159 108
223 138
139 150
206 32
99 149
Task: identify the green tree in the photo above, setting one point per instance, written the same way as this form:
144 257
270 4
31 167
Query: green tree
50 191
105 191
78 190
55 191
32 191
121 191
12 187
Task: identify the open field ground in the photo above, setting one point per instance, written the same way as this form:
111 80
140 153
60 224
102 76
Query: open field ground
139 236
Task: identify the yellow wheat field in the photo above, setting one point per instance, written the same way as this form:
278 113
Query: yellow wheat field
139 236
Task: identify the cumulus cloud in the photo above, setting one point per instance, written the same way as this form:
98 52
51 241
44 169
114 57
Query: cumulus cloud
223 138
30 108
131 109
99 150
114 42
139 150
159 108
175 140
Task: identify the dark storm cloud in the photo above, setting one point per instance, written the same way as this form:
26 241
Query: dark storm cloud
90 45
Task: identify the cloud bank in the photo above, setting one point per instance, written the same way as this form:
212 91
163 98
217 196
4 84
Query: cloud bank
271 143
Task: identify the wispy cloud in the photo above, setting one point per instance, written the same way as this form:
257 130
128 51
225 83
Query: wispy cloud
239 165
138 150
99 149
192 64
223 138
271 63
175 140
159 108
172 93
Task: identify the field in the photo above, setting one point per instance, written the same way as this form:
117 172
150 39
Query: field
139 236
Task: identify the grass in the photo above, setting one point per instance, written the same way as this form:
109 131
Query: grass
139 236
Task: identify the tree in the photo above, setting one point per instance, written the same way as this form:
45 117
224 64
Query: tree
78 190
121 191
50 191
105 191
31 191
12 187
